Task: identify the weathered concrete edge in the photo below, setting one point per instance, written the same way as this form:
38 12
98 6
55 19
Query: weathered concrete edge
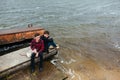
13 69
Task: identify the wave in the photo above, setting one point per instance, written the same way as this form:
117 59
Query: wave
116 45
70 72
19 10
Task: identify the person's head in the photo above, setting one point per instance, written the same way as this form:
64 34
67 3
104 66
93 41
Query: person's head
37 36
46 33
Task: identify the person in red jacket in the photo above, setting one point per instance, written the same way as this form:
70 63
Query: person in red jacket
37 46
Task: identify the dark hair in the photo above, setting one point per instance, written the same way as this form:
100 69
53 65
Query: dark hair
36 34
46 32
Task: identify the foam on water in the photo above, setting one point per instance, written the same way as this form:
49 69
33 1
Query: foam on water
117 46
70 72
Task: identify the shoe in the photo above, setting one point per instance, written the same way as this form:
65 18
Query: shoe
51 47
57 47
40 69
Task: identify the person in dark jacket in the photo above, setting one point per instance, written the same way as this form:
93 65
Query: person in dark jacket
48 41
37 46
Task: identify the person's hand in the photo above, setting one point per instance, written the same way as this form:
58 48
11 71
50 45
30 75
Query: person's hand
34 51
36 54
49 38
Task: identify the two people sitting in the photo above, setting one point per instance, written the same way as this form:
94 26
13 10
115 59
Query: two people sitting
39 45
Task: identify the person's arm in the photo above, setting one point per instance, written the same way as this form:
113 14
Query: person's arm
50 39
42 46
32 46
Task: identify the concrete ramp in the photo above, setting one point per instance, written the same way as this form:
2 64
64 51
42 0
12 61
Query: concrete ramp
16 60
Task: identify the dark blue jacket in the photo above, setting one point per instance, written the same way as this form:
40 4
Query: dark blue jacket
46 41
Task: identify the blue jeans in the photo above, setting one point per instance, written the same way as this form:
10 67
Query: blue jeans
51 43
33 60
48 45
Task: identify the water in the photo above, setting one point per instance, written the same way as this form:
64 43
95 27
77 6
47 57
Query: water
58 13
88 32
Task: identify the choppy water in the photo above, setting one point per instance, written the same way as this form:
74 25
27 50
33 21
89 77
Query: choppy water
88 32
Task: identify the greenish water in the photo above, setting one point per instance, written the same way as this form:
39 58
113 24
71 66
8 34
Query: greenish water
59 13
88 32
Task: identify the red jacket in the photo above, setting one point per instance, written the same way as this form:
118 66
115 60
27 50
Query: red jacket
39 46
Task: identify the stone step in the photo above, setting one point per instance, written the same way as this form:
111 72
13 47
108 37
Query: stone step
16 60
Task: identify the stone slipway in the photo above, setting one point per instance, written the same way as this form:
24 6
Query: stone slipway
16 60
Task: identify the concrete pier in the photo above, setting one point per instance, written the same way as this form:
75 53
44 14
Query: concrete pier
17 60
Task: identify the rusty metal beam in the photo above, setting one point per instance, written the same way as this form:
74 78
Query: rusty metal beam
18 34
